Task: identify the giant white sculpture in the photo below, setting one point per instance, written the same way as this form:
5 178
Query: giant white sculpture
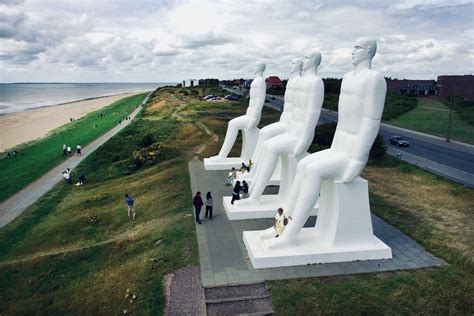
280 127
247 123
343 229
290 147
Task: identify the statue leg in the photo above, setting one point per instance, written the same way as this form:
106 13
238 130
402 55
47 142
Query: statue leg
273 147
326 165
233 128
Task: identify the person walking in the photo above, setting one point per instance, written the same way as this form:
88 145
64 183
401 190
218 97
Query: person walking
130 201
197 202
78 150
64 150
236 192
280 222
245 189
69 151
209 205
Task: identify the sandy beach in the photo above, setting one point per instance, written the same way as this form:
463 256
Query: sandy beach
17 128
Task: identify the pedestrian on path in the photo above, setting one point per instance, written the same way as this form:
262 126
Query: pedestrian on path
197 202
67 175
209 205
236 192
69 151
64 150
130 201
78 150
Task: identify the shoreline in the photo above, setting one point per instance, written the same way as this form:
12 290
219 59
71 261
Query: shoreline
74 101
42 120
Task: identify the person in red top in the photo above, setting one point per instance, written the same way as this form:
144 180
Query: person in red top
197 202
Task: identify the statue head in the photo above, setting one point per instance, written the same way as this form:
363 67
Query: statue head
311 60
259 68
364 49
296 65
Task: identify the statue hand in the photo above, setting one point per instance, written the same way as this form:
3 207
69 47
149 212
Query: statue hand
352 170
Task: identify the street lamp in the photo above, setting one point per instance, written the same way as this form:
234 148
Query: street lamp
450 118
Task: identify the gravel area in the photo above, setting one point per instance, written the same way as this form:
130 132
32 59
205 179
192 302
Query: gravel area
185 294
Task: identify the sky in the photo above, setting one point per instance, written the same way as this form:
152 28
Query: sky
168 41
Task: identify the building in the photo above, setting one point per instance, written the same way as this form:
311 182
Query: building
457 86
412 87
274 82
190 83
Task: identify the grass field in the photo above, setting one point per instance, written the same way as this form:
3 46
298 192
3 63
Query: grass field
37 157
75 252
431 117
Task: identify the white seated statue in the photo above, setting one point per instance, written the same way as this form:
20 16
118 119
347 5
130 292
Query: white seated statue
246 123
279 127
343 229
293 144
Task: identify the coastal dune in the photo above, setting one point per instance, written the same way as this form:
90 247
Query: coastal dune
21 127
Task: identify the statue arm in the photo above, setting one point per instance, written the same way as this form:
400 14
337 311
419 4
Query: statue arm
314 104
373 109
259 101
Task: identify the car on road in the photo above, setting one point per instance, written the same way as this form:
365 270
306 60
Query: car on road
231 97
398 141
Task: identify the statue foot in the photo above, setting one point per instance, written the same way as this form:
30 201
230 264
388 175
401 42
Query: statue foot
247 202
266 234
280 242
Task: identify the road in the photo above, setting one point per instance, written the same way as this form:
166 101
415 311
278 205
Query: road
451 160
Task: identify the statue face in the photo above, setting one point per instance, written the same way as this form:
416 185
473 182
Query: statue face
308 62
296 65
258 68
360 52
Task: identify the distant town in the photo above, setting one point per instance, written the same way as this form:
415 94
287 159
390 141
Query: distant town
444 87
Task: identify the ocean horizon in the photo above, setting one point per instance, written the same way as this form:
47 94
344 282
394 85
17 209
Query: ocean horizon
21 96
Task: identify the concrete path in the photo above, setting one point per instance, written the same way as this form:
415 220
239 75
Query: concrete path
224 259
19 202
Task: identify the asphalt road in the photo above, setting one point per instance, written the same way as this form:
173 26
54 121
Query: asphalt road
452 160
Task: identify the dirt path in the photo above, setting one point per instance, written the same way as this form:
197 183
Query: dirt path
213 137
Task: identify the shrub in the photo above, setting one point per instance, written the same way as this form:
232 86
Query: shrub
396 105
147 140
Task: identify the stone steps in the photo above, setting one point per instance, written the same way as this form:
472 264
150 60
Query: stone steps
247 299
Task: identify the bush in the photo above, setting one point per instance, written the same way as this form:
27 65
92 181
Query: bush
147 140
396 105
379 149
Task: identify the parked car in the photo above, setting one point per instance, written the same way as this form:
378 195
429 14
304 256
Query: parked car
207 97
231 97
398 141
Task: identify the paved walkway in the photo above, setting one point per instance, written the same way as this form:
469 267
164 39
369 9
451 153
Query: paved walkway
224 259
19 202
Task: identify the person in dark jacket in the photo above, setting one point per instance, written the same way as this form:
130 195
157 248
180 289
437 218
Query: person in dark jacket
245 189
209 205
236 192
197 202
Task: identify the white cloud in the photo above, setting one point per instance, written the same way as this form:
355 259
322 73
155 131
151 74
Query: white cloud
169 40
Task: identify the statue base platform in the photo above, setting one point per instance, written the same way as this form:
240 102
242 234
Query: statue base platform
224 164
266 209
309 252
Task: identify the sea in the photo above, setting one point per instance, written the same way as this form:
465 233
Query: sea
16 97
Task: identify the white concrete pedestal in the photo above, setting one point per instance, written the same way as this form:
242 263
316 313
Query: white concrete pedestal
267 208
249 141
343 232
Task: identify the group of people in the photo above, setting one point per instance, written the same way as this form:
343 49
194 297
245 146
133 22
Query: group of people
233 173
67 174
240 190
67 150
198 203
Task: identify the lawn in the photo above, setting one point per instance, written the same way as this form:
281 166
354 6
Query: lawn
75 252
37 157
430 116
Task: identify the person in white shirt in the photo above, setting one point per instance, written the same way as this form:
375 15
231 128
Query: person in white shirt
78 150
